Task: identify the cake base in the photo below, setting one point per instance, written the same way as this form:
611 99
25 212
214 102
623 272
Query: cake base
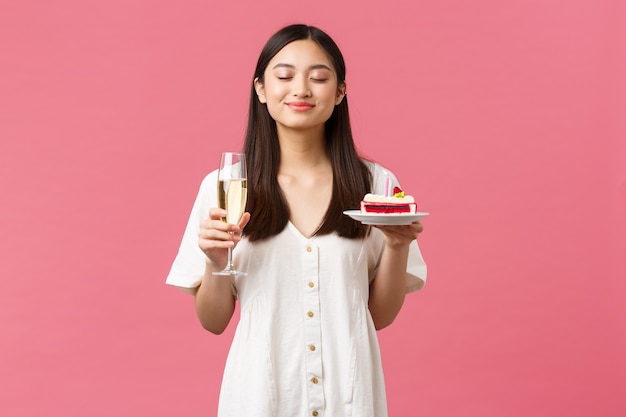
387 208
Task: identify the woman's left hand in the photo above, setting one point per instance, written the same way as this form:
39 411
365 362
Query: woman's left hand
397 236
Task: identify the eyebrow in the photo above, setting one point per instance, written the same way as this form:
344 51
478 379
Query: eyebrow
312 67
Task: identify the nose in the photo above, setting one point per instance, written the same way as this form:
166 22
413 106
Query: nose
301 87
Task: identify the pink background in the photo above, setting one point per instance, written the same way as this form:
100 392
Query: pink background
506 119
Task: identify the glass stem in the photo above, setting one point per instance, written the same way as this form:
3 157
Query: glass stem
229 263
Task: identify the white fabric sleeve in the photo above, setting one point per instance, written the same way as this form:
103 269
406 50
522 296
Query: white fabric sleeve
416 270
188 267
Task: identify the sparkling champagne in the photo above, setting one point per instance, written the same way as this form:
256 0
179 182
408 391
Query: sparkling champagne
232 195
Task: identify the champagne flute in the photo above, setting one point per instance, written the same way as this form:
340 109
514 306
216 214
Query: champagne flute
231 196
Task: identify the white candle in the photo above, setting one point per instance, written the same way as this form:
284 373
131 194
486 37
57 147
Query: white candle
387 185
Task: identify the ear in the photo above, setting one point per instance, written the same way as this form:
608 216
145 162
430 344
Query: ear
341 93
260 90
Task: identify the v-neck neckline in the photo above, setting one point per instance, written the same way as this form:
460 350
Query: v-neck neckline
297 231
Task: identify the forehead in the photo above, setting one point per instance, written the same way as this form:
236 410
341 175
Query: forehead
301 54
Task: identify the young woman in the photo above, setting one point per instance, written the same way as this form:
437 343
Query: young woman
318 283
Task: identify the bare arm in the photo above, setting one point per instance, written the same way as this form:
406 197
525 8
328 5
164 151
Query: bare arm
389 285
215 303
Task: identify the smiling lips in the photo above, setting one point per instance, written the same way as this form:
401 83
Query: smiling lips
300 106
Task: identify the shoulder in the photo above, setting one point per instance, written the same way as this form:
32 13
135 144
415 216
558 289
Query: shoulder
380 174
375 168
209 182
207 193
210 179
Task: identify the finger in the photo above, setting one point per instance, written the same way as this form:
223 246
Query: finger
217 213
215 222
214 235
244 220
215 225
418 227
400 232
209 245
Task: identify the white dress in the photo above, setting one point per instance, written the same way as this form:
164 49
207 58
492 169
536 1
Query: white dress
305 344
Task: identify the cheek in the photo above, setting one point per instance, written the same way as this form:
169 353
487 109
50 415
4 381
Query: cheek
272 102
329 111
328 95
272 109
274 91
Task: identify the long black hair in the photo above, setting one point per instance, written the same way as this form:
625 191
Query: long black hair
351 177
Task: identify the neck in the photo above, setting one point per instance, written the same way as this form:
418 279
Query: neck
302 149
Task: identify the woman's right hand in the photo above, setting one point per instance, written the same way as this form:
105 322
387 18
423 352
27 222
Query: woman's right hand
216 236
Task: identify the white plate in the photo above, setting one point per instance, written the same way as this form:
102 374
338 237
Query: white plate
385 219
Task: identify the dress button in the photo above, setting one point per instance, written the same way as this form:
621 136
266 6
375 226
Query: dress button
310 314
312 348
314 413
309 249
314 380
311 284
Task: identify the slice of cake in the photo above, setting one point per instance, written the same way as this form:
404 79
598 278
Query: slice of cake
398 203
